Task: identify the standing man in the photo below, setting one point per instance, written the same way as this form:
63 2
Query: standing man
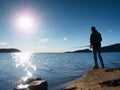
95 44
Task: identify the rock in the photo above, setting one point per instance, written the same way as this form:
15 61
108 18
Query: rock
38 85
33 84
29 80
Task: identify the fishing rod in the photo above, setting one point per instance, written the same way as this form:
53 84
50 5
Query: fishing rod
77 47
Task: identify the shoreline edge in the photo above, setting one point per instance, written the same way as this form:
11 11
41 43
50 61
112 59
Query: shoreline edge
98 79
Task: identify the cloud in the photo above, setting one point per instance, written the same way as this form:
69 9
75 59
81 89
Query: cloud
44 40
65 39
110 30
3 43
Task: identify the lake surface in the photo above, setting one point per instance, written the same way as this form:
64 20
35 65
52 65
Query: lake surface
59 69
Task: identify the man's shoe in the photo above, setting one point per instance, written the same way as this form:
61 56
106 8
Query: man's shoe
95 67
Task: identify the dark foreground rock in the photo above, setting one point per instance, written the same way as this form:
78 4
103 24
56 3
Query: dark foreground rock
38 85
33 84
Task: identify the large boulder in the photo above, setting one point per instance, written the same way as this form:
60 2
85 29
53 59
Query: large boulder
38 85
33 84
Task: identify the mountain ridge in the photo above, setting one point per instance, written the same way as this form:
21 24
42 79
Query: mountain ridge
109 48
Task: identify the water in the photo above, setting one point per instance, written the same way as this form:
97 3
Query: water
59 69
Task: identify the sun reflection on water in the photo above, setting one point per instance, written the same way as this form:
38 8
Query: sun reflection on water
24 60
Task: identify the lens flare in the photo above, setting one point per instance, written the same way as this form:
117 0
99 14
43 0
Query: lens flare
25 22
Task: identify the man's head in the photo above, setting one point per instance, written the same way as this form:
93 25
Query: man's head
93 29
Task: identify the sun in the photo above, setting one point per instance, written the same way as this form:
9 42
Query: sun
25 23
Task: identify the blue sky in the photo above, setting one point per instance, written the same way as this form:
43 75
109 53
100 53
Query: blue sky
59 24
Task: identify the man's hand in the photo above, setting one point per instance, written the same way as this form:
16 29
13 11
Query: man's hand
91 46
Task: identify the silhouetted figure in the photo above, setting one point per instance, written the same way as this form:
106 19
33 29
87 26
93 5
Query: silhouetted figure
95 44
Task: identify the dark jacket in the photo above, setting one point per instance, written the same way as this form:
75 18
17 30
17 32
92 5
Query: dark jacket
95 39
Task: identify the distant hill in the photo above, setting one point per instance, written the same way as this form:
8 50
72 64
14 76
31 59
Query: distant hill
110 48
10 50
83 51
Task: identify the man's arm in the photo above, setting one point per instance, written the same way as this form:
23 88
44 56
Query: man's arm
91 41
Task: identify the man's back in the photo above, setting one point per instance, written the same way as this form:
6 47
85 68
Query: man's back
95 39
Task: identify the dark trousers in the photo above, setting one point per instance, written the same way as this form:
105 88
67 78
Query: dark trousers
96 51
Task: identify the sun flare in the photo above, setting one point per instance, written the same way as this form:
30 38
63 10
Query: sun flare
25 23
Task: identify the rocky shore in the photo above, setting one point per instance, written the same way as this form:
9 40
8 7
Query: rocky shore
98 79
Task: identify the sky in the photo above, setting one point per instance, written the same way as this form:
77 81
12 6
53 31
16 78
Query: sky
57 25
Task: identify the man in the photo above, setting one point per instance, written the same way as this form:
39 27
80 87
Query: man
95 44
